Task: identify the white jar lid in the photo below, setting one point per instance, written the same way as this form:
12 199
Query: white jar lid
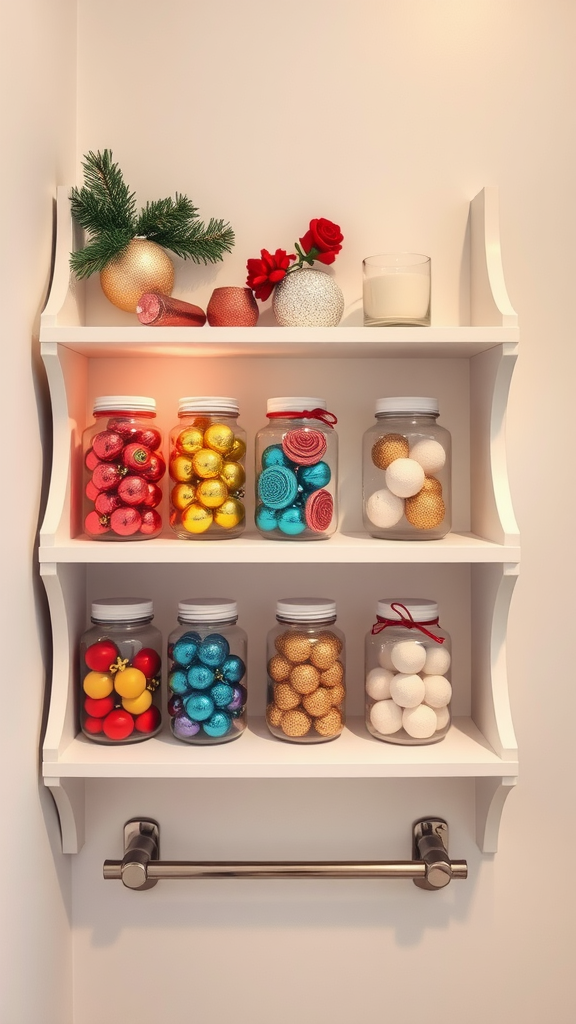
407 404
116 609
306 609
208 403
291 403
420 608
124 403
207 609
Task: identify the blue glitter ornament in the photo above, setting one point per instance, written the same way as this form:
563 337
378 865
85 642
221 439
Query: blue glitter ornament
266 519
184 650
312 478
218 725
291 521
199 706
183 727
233 669
274 455
200 677
178 681
213 650
277 487
221 694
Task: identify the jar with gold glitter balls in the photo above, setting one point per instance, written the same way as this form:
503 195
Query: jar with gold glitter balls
407 471
120 672
207 470
207 686
297 470
306 687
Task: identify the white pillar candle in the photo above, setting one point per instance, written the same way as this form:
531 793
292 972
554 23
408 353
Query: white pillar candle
400 295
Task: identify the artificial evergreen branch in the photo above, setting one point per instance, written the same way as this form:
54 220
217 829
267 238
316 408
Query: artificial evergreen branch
106 209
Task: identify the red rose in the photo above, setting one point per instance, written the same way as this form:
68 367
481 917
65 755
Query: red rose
264 273
325 237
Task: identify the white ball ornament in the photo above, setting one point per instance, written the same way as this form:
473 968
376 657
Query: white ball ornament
386 717
419 722
407 689
405 477
438 691
438 661
384 509
408 656
378 683
384 658
442 718
429 454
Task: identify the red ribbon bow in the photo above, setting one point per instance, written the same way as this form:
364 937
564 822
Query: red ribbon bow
407 621
310 414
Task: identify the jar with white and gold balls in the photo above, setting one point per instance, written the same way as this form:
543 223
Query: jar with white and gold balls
406 471
207 470
407 673
306 672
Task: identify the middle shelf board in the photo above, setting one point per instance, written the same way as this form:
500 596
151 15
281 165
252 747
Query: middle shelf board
463 753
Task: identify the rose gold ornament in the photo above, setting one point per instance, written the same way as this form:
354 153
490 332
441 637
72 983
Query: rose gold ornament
304 678
388 448
329 724
424 510
285 697
319 702
142 267
295 723
157 310
232 307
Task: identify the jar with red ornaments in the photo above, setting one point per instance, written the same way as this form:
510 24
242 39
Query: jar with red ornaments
120 672
297 470
407 673
306 672
123 467
207 470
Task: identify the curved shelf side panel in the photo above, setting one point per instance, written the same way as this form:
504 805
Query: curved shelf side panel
489 302
491 795
67 376
69 797
65 306
65 587
492 590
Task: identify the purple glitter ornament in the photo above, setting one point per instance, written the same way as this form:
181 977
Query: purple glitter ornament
183 727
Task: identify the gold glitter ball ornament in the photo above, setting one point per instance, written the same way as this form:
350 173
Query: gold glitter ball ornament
285 697
212 493
329 724
424 510
190 440
431 486
318 703
325 650
196 518
233 475
333 675
296 647
388 448
295 723
337 693
181 469
304 678
279 668
274 715
219 437
237 451
207 464
182 495
143 266
229 514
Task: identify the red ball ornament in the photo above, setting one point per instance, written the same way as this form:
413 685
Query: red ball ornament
150 437
151 522
133 490
106 502
107 445
95 524
106 476
136 456
91 460
101 655
98 707
127 430
91 491
154 495
155 469
92 725
148 721
118 725
125 521
148 661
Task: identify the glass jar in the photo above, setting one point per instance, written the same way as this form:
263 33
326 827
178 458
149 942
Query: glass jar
123 465
207 672
207 456
296 470
407 677
406 471
120 671
306 672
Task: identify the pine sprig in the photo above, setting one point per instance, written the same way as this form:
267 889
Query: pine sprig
99 252
105 201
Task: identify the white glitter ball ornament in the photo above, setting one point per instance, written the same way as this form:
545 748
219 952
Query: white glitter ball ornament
386 717
407 689
438 661
384 509
404 477
308 298
378 683
429 454
438 691
408 656
384 658
420 722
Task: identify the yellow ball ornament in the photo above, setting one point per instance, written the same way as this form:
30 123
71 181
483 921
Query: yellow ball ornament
98 684
196 518
137 705
237 451
207 463
229 514
233 475
131 682
182 469
219 437
182 495
212 493
143 266
190 440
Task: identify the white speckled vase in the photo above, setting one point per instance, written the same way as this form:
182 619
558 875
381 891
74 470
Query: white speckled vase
308 298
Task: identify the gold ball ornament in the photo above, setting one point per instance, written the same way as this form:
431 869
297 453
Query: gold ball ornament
131 682
388 448
143 266
295 723
233 475
181 469
318 703
285 697
207 464
325 650
98 684
333 675
424 510
296 647
182 495
196 518
329 724
337 693
274 715
229 514
190 440
279 668
237 451
212 492
137 705
432 486
219 437
304 678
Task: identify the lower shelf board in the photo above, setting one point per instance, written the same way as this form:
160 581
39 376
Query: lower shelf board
463 753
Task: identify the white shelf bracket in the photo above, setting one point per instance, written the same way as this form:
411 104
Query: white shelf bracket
489 302
69 797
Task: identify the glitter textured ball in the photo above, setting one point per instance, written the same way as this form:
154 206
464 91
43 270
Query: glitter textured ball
329 724
308 298
325 650
333 675
296 647
425 511
285 697
295 723
304 678
274 715
279 668
319 702
388 448
142 267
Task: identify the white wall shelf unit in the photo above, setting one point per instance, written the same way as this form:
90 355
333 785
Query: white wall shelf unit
77 355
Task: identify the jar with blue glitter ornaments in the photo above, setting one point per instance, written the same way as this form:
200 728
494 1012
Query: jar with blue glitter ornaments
296 470
207 672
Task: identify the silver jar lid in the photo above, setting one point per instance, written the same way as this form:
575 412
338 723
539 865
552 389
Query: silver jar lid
306 609
119 609
408 404
207 609
420 608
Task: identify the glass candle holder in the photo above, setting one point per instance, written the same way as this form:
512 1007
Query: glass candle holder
396 290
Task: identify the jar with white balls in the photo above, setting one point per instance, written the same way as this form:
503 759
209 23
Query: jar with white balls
306 673
407 673
406 471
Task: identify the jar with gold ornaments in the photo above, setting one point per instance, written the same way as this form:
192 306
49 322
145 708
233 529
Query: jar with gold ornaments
207 672
207 470
406 471
296 470
407 673
123 467
306 687
120 672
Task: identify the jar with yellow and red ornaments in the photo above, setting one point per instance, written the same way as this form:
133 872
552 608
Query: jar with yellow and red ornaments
306 672
296 470
407 673
406 471
207 470
120 672
123 466
207 672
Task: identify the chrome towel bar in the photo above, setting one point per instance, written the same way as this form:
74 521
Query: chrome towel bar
141 868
